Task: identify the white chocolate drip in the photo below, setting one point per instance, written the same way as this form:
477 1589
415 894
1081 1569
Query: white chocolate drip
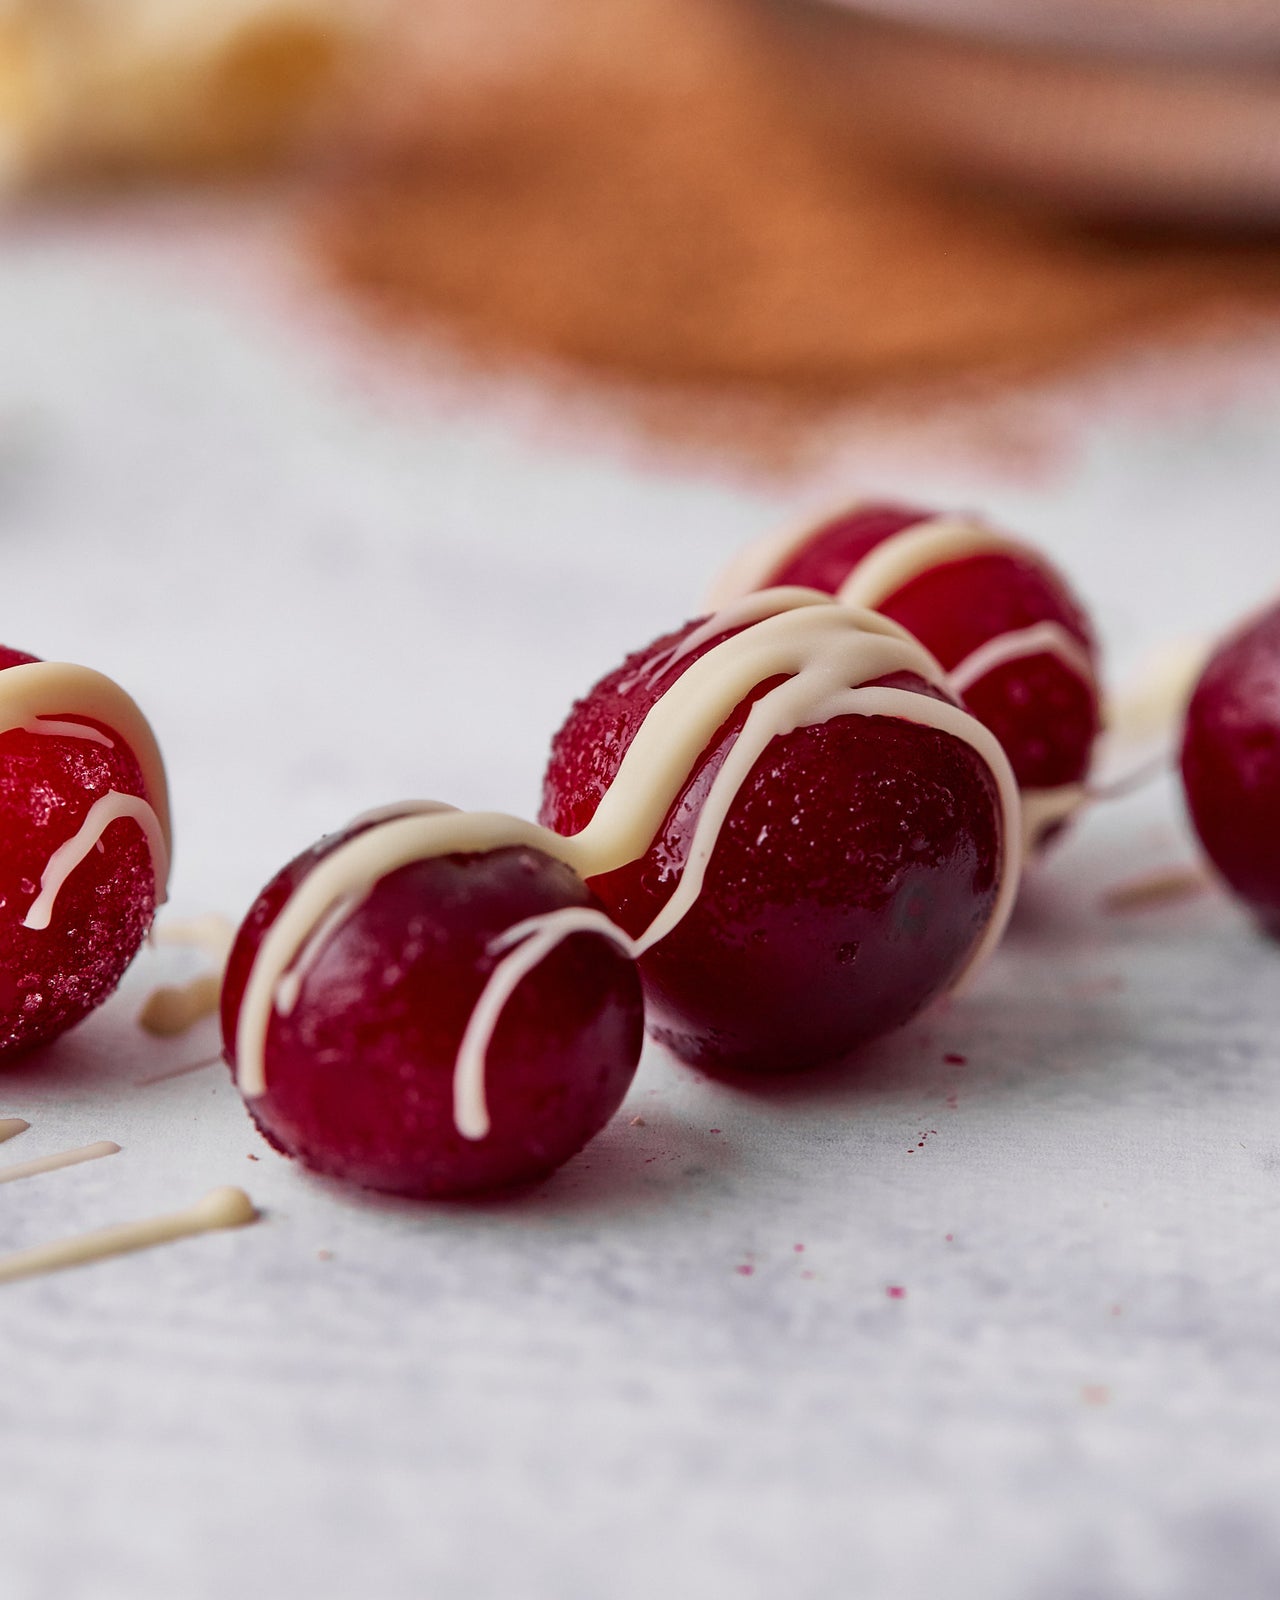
11 1127
827 657
290 985
221 1208
1021 644
895 562
34 698
524 947
111 807
174 1008
56 1162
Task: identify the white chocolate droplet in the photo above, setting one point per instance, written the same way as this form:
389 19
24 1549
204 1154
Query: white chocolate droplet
221 1208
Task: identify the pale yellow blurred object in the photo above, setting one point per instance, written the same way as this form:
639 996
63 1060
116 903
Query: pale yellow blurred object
120 87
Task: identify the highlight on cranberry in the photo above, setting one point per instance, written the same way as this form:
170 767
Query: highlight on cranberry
1231 764
1016 642
84 818
431 1003
805 834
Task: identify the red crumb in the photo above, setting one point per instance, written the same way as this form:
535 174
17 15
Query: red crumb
798 1248
895 1291
951 1238
744 1269
953 1059
713 1130
1115 1311
1095 1394
324 1255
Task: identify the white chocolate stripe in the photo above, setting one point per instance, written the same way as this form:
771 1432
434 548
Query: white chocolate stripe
40 690
110 807
290 985
901 557
523 947
221 1208
1020 644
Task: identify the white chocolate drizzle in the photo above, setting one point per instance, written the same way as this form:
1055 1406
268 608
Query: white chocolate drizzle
895 562
110 807
57 1161
11 1127
221 1208
827 657
910 553
524 947
37 697
1021 644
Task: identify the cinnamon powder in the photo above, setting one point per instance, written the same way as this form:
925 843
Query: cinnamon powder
639 198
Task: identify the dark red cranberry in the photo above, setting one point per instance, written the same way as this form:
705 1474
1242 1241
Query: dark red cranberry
1044 711
360 1074
1231 764
52 976
858 870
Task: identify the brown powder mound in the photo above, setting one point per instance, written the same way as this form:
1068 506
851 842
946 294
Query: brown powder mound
650 207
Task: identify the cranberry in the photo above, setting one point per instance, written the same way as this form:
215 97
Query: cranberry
993 611
864 860
84 821
364 1065
1231 764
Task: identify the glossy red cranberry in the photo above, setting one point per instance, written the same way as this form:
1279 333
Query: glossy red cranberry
361 1072
1231 764
52 976
856 872
1044 711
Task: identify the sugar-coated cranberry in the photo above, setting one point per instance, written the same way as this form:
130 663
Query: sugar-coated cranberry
370 1003
995 613
1231 764
84 823
863 861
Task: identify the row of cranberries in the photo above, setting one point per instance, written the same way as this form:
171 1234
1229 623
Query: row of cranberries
857 868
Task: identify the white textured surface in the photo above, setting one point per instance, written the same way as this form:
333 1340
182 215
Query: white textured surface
328 597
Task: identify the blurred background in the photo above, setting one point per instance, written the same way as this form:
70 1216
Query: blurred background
791 205
372 375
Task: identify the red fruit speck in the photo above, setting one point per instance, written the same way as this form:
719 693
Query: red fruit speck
896 1292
